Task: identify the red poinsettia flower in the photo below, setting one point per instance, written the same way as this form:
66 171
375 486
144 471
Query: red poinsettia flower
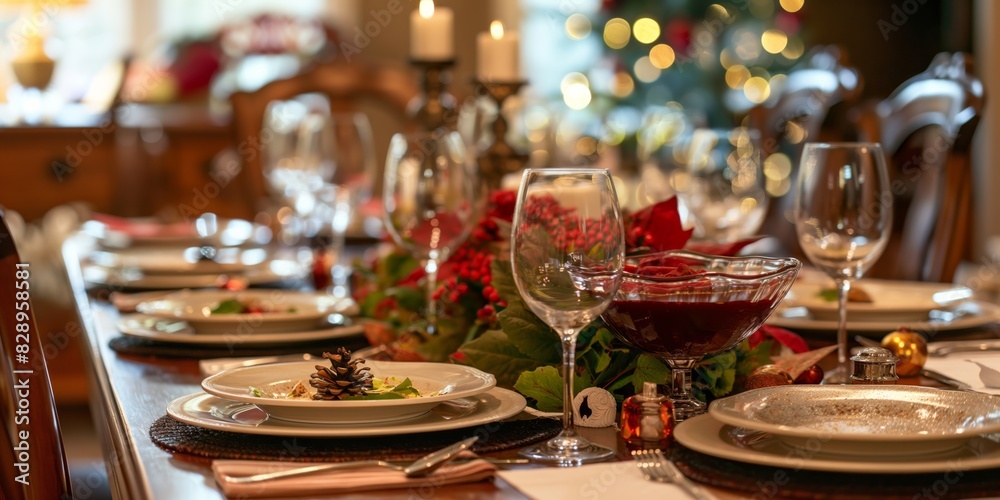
656 228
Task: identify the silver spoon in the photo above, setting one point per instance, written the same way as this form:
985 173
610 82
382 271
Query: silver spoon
419 468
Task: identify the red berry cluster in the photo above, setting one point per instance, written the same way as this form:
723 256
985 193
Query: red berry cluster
565 229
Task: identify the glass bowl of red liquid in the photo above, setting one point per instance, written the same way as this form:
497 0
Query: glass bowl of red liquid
681 306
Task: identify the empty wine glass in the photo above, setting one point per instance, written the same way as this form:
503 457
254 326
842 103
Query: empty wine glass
843 216
429 194
567 251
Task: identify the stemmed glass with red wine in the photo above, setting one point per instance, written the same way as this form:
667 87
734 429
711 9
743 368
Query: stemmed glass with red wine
681 306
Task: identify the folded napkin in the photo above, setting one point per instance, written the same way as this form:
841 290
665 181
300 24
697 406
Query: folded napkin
611 480
338 482
965 366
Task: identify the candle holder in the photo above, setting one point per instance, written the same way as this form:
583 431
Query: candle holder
435 107
500 158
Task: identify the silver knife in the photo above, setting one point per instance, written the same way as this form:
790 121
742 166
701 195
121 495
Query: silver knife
946 380
950 346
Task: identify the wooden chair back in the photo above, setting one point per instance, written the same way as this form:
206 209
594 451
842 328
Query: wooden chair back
795 116
345 84
32 459
926 128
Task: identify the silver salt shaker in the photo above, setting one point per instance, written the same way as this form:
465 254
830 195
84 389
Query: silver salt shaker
874 365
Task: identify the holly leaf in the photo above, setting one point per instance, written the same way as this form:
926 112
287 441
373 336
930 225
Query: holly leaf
408 298
530 335
750 359
717 374
648 369
544 385
503 280
493 353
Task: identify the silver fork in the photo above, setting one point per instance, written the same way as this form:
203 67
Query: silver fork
655 467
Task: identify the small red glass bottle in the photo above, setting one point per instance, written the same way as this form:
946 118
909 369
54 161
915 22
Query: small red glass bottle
648 418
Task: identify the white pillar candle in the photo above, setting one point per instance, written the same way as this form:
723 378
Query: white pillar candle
498 55
431 33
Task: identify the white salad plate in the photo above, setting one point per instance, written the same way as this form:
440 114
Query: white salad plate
436 382
285 310
707 435
863 420
179 332
211 412
890 300
275 271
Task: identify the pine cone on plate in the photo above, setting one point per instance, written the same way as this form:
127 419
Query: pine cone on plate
342 379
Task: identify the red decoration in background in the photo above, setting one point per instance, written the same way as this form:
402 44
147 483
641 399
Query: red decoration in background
656 228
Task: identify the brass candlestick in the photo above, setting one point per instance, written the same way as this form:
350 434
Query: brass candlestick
435 107
500 158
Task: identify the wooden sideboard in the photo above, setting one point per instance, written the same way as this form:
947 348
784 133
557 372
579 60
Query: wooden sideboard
154 159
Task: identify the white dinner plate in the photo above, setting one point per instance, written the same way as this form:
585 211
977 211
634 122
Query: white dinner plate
968 314
437 382
285 310
868 420
275 271
891 300
211 412
136 232
707 435
178 332
181 260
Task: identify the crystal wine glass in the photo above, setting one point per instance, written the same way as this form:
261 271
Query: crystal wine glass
429 194
843 216
681 306
567 251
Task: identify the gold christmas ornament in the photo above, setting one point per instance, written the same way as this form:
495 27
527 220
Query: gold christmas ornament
767 376
911 349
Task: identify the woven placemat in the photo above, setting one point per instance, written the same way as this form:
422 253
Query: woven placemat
760 481
179 437
144 347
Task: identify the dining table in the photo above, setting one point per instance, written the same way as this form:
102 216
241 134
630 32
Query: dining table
129 394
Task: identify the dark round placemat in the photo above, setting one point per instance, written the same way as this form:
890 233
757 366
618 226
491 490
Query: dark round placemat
760 481
144 347
179 437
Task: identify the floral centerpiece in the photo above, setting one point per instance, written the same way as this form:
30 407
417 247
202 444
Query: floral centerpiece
484 323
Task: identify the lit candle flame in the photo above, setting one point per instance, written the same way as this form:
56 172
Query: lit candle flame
426 9
496 30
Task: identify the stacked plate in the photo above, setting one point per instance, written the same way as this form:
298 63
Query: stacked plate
249 400
250 317
861 428
811 305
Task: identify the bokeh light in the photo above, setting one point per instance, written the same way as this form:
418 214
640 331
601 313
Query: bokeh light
794 49
646 30
756 89
736 76
662 56
774 40
622 85
577 96
762 9
792 5
617 33
578 26
645 71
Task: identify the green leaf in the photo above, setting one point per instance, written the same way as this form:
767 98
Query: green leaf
370 303
717 373
649 369
231 306
750 359
503 281
493 353
530 335
544 385
829 294
408 297
396 266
